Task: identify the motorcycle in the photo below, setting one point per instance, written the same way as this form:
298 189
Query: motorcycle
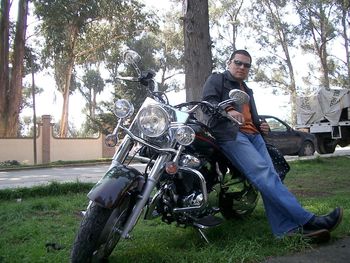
187 180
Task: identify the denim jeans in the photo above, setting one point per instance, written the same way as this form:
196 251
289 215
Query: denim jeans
249 154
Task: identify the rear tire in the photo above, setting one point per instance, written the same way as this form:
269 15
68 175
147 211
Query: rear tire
325 145
97 235
238 204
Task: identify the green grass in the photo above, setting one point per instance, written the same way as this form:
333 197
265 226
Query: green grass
31 218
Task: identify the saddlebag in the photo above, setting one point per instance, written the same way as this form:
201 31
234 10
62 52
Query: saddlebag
280 164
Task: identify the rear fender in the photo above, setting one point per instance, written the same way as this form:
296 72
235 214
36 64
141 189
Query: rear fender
115 184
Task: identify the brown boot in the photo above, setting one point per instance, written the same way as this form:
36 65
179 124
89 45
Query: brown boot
316 236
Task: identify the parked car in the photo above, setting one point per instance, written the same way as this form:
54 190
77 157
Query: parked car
288 140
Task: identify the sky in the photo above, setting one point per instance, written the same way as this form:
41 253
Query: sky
50 101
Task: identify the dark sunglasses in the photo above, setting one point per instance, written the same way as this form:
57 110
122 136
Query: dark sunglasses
240 63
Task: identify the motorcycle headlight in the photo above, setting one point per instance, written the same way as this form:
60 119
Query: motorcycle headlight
185 135
153 121
123 108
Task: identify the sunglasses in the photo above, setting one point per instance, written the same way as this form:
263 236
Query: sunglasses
240 63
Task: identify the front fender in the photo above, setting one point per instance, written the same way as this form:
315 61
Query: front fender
114 184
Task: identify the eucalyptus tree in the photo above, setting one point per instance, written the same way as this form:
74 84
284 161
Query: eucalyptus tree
317 24
171 52
11 77
66 26
147 47
93 84
4 64
226 20
198 58
277 35
344 32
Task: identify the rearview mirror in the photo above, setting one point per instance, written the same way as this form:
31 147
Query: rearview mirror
131 57
239 96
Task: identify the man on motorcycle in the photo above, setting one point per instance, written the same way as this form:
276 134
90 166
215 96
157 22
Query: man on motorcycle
246 148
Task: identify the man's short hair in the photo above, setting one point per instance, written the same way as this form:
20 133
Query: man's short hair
241 52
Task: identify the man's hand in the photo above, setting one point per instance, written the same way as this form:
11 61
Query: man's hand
264 127
236 115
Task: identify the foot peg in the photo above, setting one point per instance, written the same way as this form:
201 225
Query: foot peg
208 221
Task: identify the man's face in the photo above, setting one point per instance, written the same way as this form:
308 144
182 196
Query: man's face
239 67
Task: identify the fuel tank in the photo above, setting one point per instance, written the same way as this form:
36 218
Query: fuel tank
204 142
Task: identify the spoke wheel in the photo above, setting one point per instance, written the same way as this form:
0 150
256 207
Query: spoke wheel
111 234
100 232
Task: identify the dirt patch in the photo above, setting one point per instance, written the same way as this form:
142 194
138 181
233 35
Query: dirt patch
308 193
335 252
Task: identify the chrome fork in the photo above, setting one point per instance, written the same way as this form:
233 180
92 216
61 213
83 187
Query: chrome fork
153 178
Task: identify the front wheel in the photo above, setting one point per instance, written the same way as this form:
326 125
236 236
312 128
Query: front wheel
307 149
100 231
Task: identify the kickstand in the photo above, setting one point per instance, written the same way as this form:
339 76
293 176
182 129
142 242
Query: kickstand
203 235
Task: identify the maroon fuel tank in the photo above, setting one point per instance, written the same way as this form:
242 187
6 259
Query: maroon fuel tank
204 142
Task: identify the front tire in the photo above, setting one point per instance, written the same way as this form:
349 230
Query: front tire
307 149
100 231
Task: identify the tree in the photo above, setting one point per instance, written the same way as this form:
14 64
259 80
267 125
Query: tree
344 11
276 35
93 85
11 80
317 25
198 60
225 21
4 64
66 26
171 52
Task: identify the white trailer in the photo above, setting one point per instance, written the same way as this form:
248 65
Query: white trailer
326 114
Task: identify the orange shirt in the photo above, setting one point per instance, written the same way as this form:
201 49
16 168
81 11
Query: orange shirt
248 126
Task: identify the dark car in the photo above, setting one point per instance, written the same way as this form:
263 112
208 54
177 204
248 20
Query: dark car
288 140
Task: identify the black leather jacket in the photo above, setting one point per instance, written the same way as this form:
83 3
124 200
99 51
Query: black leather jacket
215 90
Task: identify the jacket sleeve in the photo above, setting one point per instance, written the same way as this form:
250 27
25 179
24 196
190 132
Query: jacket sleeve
222 128
212 89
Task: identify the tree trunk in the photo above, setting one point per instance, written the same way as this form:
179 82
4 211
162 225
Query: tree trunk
198 60
65 106
15 92
4 64
346 38
93 105
73 33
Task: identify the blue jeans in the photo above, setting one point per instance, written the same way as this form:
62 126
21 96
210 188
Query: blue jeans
249 154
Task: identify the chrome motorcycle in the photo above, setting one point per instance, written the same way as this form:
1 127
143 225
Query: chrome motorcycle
186 178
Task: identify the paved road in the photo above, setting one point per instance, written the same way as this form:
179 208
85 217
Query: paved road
338 152
31 177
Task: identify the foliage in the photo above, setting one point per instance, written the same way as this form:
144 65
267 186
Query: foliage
92 35
227 19
85 32
318 23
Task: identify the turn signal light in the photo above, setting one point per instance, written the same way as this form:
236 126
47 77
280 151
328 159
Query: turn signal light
171 168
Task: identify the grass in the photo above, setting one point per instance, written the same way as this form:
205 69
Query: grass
33 218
